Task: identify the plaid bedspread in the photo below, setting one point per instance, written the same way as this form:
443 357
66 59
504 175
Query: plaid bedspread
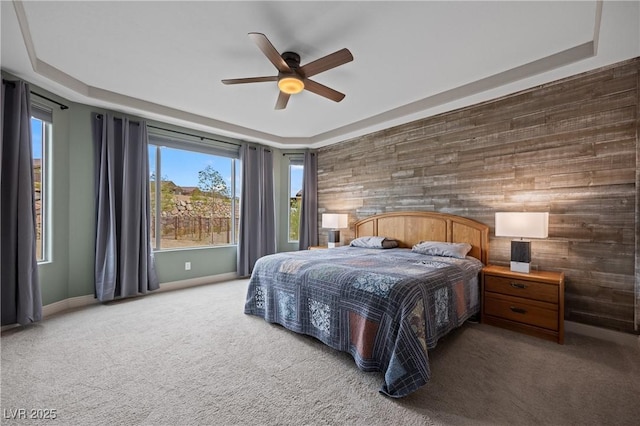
385 307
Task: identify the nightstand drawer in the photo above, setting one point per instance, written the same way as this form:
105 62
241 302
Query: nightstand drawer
522 288
539 314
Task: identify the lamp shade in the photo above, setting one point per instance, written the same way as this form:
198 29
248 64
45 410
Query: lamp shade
334 220
522 224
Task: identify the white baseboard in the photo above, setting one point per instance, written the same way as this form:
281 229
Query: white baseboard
618 337
61 306
193 282
66 304
89 299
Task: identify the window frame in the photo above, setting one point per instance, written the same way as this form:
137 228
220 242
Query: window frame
294 161
44 115
162 138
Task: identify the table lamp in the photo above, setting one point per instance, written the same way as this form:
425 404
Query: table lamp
522 225
334 221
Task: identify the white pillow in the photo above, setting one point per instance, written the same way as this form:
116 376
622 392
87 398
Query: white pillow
374 242
438 248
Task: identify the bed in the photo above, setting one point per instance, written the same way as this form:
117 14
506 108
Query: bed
385 306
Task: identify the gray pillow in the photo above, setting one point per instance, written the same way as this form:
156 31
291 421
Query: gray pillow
374 242
438 248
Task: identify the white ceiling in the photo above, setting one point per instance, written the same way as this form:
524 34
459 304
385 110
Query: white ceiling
164 60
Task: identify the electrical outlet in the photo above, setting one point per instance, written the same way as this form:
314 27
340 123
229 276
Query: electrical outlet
187 266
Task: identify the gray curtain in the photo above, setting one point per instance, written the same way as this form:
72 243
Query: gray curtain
257 233
309 212
21 300
124 264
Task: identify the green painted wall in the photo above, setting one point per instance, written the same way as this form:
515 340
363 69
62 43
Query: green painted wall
80 202
204 262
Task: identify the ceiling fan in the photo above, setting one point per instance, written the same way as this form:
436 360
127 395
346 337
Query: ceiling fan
293 78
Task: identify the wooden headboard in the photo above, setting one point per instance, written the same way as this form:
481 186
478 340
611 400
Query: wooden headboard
409 228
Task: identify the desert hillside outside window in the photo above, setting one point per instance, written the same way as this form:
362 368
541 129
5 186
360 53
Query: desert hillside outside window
194 196
295 198
41 131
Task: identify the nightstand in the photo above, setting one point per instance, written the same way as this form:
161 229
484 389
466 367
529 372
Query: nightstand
529 303
317 247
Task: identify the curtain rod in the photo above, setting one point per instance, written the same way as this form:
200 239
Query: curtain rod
254 148
13 84
295 153
62 106
194 136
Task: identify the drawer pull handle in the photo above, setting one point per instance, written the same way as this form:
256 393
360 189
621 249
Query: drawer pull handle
518 310
518 285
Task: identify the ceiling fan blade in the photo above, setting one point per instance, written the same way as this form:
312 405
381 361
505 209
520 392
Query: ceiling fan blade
325 63
270 52
249 80
322 90
283 99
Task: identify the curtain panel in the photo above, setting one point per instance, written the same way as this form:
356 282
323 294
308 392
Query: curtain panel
124 263
257 235
21 298
308 234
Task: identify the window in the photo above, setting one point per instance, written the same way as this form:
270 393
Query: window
295 199
41 130
194 195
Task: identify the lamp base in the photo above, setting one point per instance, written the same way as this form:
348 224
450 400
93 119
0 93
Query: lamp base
334 239
521 251
520 256
522 267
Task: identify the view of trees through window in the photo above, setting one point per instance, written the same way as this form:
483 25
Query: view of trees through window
196 203
40 132
295 200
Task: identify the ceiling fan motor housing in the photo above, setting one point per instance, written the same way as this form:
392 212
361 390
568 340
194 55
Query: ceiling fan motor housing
292 59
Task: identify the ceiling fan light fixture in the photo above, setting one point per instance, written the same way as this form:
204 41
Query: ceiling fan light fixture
291 85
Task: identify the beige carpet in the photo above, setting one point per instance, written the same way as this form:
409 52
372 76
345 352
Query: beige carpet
192 357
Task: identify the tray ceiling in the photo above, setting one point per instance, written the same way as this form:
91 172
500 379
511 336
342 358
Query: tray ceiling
164 60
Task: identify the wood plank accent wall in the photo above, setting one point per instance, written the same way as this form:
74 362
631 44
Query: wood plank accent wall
637 319
569 147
